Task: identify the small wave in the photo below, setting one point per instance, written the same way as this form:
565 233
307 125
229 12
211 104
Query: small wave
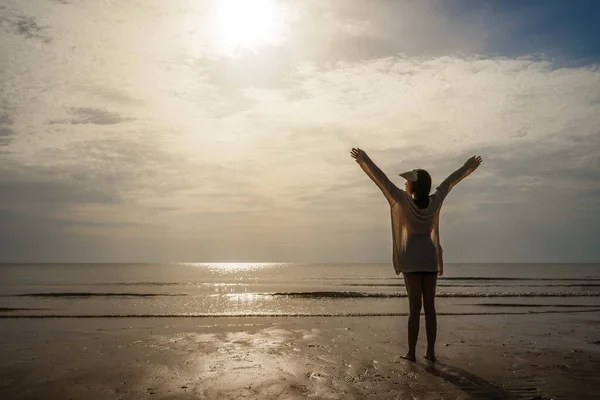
91 294
114 284
532 305
475 285
11 309
275 315
358 295
454 278
481 278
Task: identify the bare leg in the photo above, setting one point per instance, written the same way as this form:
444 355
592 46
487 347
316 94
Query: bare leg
429 282
413 289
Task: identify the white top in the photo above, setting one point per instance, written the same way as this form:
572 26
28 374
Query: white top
415 231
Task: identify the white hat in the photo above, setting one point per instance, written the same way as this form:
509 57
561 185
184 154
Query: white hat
410 175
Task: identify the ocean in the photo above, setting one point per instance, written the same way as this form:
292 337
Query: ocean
286 289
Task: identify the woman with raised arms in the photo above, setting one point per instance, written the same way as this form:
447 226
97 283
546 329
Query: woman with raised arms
417 253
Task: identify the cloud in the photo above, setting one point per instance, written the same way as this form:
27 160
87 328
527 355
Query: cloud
5 134
357 30
113 96
159 145
6 131
409 105
280 166
22 25
95 116
434 113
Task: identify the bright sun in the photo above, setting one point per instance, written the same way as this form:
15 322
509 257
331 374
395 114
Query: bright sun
246 25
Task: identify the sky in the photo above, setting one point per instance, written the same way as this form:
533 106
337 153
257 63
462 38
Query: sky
191 131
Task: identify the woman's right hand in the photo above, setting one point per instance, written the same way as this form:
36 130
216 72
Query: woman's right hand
358 154
473 162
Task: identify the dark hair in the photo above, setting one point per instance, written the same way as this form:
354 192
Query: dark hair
421 188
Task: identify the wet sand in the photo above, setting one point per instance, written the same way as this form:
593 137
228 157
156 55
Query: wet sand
483 357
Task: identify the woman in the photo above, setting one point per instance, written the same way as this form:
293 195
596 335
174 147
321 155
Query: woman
417 253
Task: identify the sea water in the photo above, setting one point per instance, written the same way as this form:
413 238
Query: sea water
286 289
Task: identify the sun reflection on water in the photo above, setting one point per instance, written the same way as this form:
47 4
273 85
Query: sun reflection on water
246 297
235 266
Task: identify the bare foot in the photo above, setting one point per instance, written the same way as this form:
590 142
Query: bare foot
430 357
410 357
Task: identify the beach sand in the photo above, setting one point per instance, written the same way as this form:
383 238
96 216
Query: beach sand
538 356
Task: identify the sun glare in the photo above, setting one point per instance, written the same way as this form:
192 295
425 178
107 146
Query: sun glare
246 25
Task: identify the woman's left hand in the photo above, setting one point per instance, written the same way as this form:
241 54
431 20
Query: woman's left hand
473 163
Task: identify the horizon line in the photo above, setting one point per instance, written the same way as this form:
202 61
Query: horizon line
280 262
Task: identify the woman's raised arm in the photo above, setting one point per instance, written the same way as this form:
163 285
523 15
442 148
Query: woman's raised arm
387 187
470 165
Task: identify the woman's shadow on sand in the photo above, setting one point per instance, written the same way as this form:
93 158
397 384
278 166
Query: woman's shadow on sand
476 387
